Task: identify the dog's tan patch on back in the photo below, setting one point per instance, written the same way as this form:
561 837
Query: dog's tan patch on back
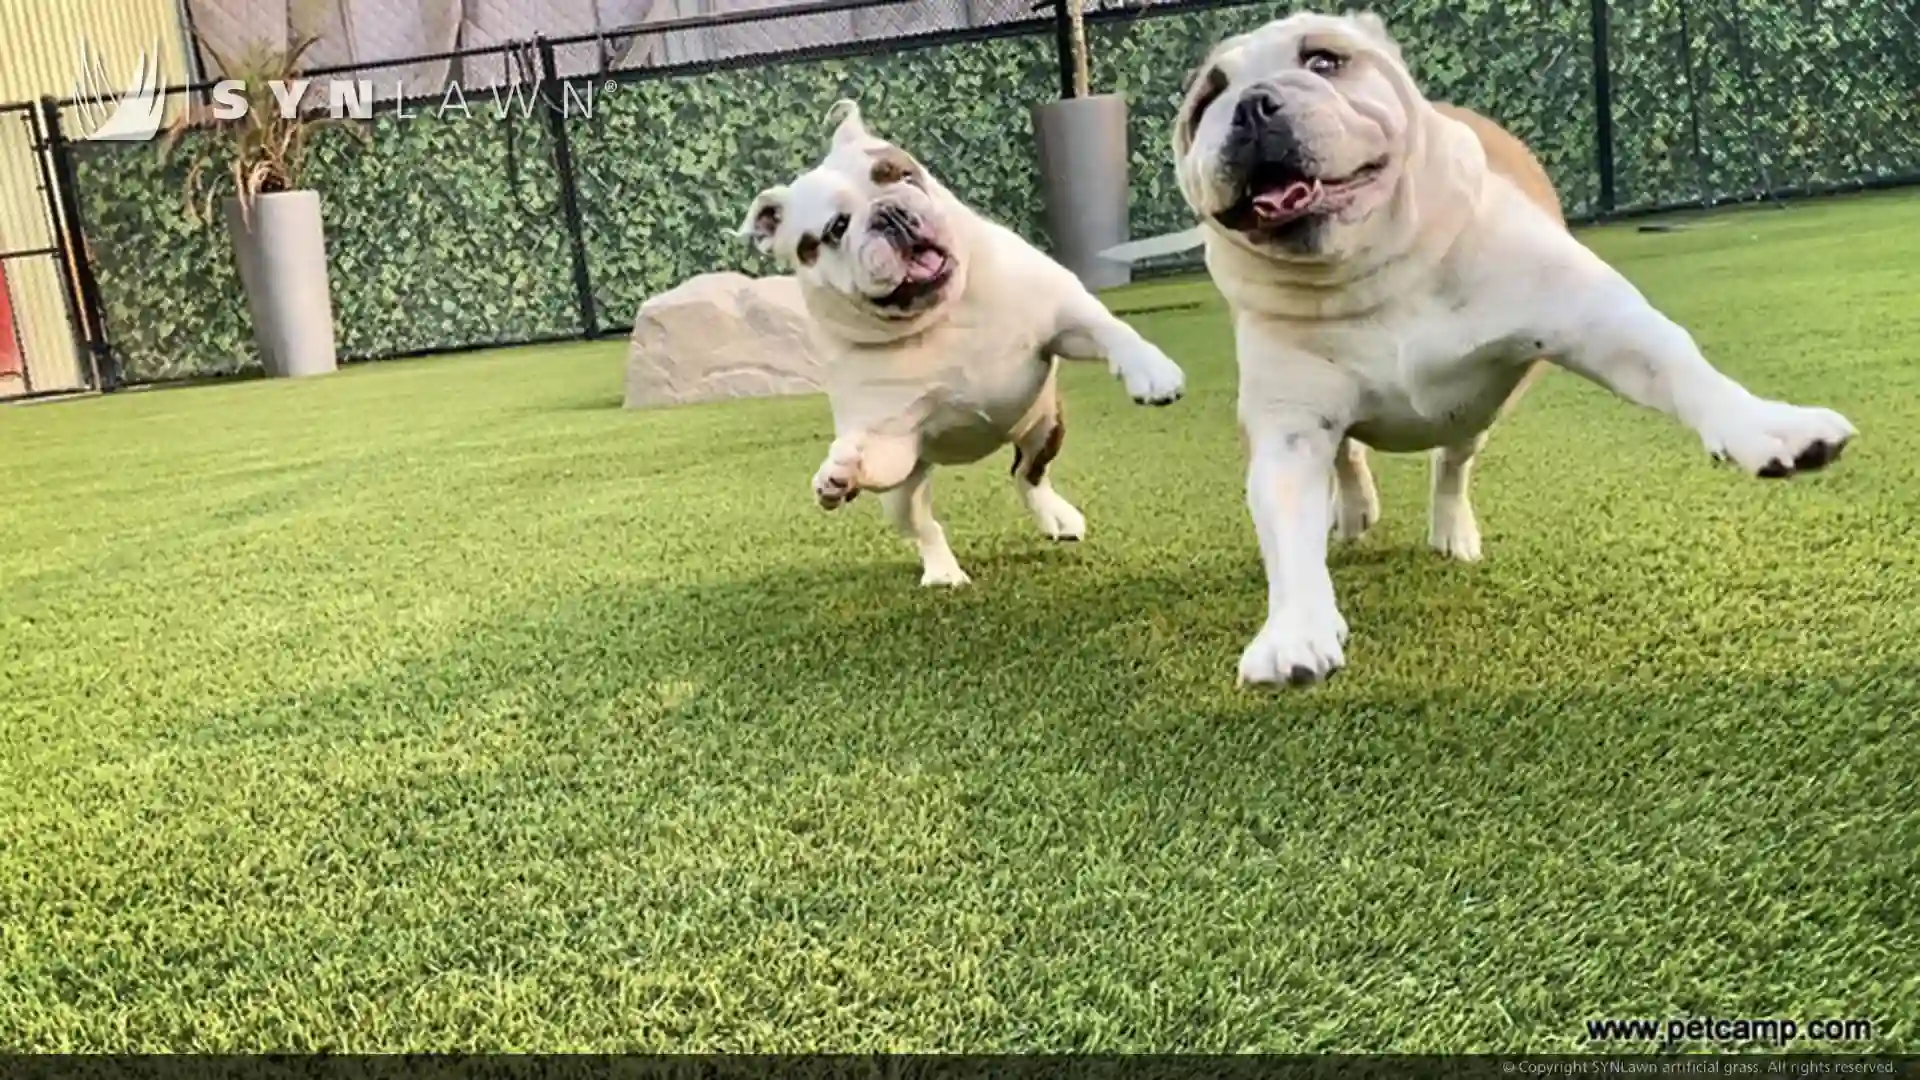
1509 157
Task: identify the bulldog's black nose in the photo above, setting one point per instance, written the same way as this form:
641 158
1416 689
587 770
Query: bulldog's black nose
895 222
1262 136
1257 108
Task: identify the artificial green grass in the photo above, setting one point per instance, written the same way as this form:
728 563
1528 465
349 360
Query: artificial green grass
446 705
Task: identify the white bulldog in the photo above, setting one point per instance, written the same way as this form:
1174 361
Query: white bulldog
1395 269
941 330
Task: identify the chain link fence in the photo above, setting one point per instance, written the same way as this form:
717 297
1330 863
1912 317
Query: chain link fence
543 189
1740 99
39 350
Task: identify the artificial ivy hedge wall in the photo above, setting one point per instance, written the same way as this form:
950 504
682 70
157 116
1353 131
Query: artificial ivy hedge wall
433 241
448 231
660 208
1721 99
667 167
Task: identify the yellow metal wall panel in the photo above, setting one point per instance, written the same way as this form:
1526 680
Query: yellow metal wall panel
39 304
41 44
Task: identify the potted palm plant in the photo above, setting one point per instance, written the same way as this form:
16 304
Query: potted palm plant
1082 140
251 165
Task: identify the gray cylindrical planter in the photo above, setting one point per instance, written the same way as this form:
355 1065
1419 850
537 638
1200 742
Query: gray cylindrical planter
283 268
1083 176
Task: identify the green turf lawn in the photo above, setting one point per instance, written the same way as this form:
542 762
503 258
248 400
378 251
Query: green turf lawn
447 705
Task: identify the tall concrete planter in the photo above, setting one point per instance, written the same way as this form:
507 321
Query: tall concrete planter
283 268
1084 181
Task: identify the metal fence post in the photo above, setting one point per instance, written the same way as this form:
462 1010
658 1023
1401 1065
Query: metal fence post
62 253
76 260
569 187
1602 105
1063 46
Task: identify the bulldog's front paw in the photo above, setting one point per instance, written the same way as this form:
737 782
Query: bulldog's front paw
837 481
946 575
1453 532
1355 512
1151 377
1295 648
1772 439
1058 519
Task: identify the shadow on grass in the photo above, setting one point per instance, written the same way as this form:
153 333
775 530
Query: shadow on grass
832 782
1072 670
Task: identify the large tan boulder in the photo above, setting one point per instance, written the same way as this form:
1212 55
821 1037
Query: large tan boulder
719 336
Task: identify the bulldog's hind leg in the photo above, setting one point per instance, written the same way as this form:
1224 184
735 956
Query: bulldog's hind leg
1358 502
1033 453
1452 530
909 506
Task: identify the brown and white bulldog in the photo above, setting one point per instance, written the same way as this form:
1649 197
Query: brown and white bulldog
941 330
1395 269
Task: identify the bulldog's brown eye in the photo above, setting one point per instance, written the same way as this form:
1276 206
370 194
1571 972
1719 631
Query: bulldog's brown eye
1322 62
836 229
807 250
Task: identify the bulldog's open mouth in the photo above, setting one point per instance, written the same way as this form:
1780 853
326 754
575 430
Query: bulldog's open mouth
1277 196
927 268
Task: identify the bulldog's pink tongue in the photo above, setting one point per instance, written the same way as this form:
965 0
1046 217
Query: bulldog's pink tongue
1285 204
925 265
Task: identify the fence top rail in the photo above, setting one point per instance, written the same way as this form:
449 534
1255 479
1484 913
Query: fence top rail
664 26
839 50
17 107
337 69
728 18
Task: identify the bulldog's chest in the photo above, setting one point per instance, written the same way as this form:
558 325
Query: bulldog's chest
1414 377
965 390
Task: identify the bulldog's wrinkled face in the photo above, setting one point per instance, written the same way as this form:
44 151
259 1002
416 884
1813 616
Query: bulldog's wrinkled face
867 225
1294 134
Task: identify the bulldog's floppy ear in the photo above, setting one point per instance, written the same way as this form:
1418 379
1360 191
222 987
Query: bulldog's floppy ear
849 127
1375 28
763 218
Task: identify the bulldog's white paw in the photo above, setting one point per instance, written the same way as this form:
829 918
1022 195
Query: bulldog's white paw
945 573
1057 517
1355 513
1295 648
1453 531
1151 377
1773 439
837 481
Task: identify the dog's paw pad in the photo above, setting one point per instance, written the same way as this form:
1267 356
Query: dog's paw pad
1819 454
1302 675
1776 440
833 496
